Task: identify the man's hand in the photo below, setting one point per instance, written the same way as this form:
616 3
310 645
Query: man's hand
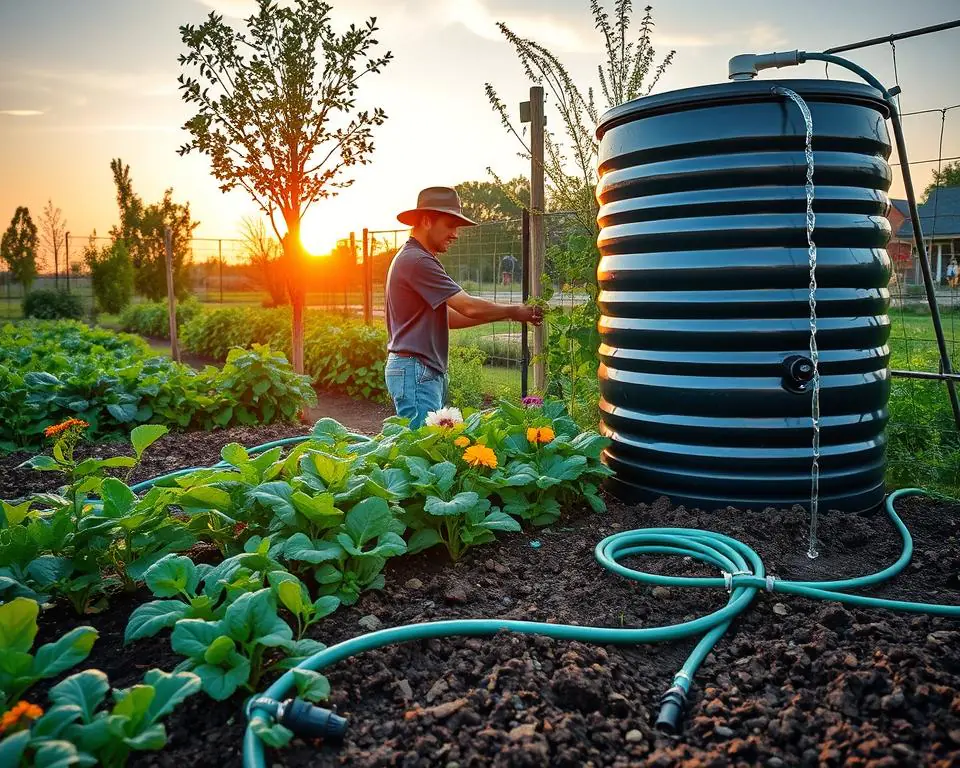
526 313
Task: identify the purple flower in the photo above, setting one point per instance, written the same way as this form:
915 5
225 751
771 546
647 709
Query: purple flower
532 401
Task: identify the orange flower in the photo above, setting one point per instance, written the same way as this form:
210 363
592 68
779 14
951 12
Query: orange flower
540 434
63 426
22 710
462 442
480 456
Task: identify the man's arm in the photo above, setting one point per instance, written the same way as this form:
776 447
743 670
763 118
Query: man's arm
456 320
477 311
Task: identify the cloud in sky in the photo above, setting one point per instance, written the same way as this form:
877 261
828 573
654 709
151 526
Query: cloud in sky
21 112
141 83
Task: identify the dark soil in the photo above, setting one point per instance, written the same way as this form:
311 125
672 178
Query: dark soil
793 682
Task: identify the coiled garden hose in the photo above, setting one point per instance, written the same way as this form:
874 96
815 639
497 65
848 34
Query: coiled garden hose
743 575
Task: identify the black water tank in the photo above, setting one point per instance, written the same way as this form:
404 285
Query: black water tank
704 279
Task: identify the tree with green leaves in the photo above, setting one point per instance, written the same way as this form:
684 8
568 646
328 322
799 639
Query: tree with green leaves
485 201
570 164
284 123
141 230
18 248
948 176
111 274
629 70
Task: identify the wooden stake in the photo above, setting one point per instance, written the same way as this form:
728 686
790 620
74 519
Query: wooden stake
171 294
537 234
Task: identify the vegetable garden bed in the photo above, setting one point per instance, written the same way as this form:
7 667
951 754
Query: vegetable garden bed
793 682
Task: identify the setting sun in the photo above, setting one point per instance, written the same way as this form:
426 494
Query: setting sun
318 236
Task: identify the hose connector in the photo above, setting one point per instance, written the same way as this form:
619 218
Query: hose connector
302 717
673 707
747 65
311 722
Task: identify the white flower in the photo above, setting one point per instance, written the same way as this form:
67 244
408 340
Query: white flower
445 417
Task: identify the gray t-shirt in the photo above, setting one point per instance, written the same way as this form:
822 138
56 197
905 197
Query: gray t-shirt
416 293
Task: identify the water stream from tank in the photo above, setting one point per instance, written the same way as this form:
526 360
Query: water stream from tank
814 353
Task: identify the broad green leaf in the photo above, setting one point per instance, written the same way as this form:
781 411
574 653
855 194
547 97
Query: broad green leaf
445 474
206 497
291 595
252 617
458 505
331 469
235 454
299 547
54 721
275 736
192 637
118 499
305 647
123 413
391 483
221 683
327 428
150 618
150 739
423 539
40 463
569 468
500 521
311 686
85 690
13 747
368 519
520 474
114 462
590 444
324 606
171 690
219 650
133 703
18 624
144 436
277 497
317 509
59 754
171 576
70 649
14 515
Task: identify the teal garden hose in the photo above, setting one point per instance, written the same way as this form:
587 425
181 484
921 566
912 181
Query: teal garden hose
743 575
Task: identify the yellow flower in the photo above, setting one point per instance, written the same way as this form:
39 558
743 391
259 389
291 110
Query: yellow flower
480 456
462 442
21 710
63 426
540 434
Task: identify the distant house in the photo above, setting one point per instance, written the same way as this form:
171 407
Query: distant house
940 222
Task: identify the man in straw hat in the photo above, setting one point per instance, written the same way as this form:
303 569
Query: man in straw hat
424 303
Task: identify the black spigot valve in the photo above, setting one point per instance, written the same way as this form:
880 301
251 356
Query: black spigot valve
798 372
311 722
673 707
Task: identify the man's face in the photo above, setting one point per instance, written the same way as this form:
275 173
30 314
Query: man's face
441 231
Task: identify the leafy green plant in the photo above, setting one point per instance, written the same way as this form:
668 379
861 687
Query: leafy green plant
111 273
19 668
152 318
198 591
79 730
466 376
228 654
52 305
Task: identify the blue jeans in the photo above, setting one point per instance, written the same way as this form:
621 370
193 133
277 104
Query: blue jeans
416 389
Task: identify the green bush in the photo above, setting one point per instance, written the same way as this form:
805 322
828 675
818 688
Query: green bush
111 273
153 319
53 371
466 376
52 305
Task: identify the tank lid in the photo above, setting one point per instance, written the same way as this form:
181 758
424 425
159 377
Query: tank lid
741 92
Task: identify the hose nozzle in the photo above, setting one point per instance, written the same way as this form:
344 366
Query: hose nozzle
747 65
673 706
